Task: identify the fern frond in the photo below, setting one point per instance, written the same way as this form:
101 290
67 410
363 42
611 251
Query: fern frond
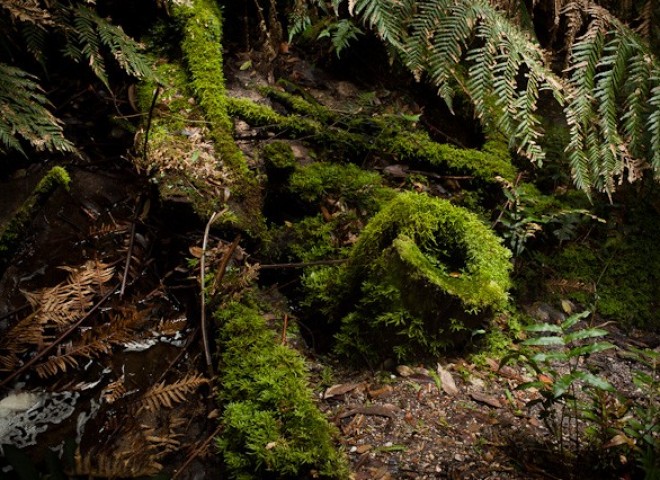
387 17
164 395
84 21
24 114
34 37
28 11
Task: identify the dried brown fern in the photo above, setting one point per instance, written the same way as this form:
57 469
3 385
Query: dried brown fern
93 343
164 395
29 11
114 391
126 464
65 303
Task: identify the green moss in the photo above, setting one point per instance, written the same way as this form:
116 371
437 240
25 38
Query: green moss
202 49
278 158
485 164
349 182
272 428
295 103
12 232
422 274
389 134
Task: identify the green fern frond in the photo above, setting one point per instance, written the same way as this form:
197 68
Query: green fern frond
34 37
24 114
387 17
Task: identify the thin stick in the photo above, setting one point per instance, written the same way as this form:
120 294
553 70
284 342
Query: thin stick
128 261
14 311
149 118
190 341
59 339
223 264
197 452
284 327
202 269
304 264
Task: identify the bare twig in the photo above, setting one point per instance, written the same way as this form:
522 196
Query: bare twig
202 270
197 452
223 264
149 118
59 339
128 261
303 264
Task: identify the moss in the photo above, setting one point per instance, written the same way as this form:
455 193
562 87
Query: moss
272 428
295 103
202 49
487 164
388 134
349 182
279 159
422 274
12 232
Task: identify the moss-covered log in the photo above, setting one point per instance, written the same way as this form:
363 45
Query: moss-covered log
421 276
386 135
14 229
190 149
272 428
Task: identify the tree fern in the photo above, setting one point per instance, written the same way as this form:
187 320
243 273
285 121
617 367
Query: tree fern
24 114
611 112
610 92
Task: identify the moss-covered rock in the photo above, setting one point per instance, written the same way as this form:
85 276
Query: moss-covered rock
279 161
272 428
422 272
14 229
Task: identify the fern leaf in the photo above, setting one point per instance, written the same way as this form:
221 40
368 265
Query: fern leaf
28 11
24 114
164 395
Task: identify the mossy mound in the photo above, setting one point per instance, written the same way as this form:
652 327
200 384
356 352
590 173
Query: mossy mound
11 232
423 274
272 428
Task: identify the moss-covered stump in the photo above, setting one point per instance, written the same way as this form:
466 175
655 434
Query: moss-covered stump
14 229
272 428
422 275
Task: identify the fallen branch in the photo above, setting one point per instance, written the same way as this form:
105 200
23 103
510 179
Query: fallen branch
128 261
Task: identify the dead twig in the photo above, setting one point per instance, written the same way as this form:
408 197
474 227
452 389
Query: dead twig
128 261
224 262
59 339
197 452
202 270
303 264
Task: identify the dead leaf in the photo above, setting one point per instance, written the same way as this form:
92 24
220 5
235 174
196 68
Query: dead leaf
617 440
340 389
386 410
381 392
404 370
486 399
448 384
196 252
